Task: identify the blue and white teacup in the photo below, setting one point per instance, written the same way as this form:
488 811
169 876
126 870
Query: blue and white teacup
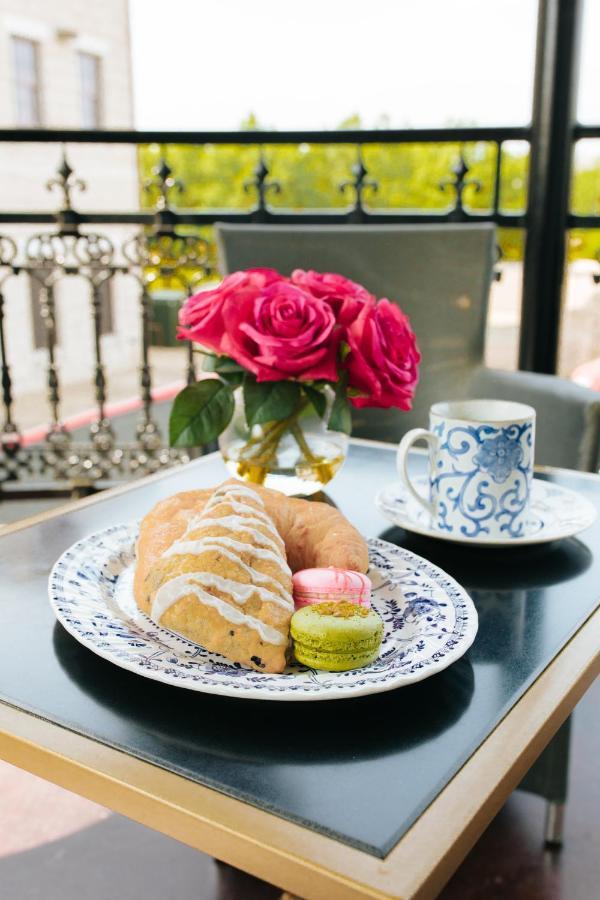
480 467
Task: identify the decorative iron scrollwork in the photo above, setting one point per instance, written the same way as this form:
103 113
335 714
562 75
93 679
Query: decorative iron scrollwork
94 251
458 184
180 262
48 250
8 251
66 181
159 189
182 259
162 185
261 186
10 437
79 465
153 256
360 184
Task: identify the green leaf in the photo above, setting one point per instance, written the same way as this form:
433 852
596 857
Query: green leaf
341 415
227 368
233 379
200 413
269 401
221 364
318 400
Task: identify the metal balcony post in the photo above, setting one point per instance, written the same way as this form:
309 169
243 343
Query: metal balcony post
553 120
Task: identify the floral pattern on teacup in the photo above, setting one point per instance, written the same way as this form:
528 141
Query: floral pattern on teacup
468 457
499 456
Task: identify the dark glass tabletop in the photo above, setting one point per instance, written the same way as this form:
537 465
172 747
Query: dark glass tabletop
358 770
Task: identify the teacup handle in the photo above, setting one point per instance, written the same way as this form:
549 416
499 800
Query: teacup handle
415 434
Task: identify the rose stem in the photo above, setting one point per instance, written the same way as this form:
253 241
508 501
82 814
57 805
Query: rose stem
269 442
268 428
303 444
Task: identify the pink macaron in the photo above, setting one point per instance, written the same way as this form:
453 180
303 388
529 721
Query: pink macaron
319 585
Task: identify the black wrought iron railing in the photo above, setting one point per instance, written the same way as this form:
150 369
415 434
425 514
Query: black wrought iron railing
171 244
358 178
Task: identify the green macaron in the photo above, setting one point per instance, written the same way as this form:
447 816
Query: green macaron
336 636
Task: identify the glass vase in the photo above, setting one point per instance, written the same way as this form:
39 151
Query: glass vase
297 455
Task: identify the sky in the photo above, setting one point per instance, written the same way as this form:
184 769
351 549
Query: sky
306 64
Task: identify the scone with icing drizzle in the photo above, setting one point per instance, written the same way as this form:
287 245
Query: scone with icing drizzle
224 583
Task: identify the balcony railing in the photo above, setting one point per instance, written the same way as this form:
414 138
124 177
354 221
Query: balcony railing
171 244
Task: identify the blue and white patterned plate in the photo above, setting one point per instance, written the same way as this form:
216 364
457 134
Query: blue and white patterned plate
556 512
430 622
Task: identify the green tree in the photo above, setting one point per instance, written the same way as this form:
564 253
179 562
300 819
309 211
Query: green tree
415 177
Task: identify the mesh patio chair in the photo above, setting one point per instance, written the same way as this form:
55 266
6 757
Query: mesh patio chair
441 276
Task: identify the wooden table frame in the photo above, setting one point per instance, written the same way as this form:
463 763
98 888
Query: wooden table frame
288 855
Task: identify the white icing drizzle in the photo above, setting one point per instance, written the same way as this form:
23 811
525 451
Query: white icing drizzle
245 518
233 490
253 573
256 518
245 524
182 586
199 545
244 508
238 591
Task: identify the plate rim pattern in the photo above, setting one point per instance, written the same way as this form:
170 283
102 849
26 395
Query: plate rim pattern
73 573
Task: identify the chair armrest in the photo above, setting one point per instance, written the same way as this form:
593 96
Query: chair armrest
568 415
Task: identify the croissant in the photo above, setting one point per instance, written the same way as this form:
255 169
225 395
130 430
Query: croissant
202 542
225 583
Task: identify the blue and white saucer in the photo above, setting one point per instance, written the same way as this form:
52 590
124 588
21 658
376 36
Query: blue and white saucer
430 622
555 513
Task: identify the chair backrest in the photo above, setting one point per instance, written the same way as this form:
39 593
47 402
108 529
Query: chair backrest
439 274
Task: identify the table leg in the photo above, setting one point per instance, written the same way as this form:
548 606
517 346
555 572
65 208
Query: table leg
548 778
555 818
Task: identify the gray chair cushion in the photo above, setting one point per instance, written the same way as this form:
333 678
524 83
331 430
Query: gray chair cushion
568 415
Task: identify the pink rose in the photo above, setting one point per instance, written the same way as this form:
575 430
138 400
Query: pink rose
262 276
347 298
384 358
201 316
282 332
